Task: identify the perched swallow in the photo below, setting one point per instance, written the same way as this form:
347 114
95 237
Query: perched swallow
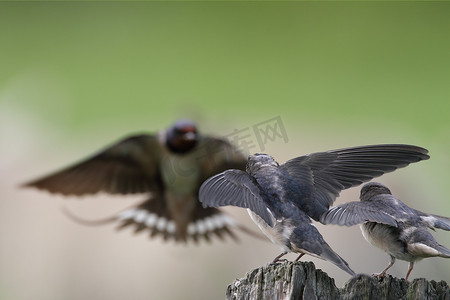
171 165
281 198
391 225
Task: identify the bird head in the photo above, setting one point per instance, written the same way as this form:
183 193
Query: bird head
372 189
182 136
258 160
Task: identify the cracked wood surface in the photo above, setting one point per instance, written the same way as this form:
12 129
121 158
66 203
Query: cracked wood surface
289 280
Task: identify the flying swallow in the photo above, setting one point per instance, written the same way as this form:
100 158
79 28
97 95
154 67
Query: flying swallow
281 199
170 165
391 225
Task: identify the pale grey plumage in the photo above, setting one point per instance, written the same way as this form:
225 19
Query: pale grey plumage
391 225
282 198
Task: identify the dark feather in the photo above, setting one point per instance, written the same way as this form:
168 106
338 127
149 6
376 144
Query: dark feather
434 221
305 238
328 173
237 188
127 167
352 213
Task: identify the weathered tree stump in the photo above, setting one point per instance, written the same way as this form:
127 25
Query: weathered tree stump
289 280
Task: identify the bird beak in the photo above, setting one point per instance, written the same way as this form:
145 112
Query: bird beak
190 136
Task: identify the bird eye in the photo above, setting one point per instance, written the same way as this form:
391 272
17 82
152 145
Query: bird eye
187 129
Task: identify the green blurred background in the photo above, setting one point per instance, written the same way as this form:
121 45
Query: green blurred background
75 76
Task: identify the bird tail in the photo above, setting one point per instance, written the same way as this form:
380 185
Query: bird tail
306 239
333 257
86 222
149 215
443 251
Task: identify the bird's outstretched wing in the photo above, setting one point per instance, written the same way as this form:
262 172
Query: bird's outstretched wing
236 188
328 173
127 167
352 213
434 221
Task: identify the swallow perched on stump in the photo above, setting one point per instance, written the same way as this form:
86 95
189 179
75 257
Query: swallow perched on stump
171 166
281 199
391 225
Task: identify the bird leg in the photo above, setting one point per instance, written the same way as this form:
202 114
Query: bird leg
411 266
276 259
383 273
300 256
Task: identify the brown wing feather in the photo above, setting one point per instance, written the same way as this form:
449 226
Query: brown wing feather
217 155
328 173
127 167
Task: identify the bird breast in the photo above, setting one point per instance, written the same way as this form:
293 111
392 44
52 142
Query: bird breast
180 173
387 239
278 234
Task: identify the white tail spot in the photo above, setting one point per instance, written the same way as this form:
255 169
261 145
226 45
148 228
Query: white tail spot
161 224
217 221
229 220
191 230
127 214
201 228
151 220
209 224
171 228
140 216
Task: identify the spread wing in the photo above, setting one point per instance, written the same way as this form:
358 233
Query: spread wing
129 166
434 221
328 173
352 213
236 188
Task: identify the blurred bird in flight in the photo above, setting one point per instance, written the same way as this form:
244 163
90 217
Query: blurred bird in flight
170 166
